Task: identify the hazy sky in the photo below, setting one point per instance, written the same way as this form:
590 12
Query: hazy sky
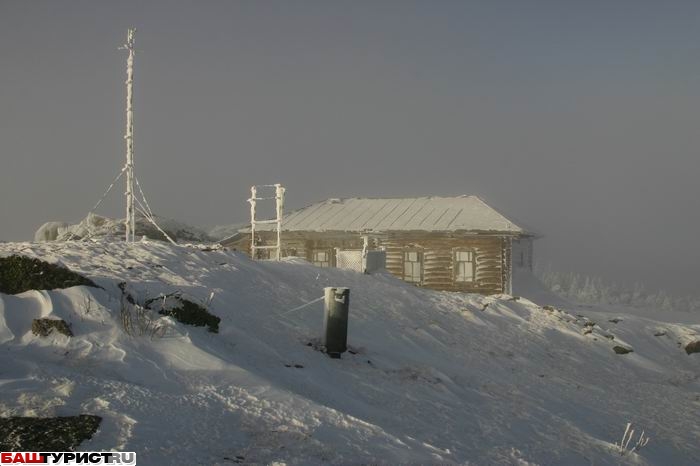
579 117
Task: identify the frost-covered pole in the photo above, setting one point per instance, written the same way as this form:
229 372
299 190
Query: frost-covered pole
130 220
279 197
252 200
509 267
365 248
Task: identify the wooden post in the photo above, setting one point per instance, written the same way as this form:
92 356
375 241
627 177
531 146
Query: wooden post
335 320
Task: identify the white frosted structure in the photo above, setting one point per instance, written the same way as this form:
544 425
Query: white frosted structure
96 226
130 220
49 231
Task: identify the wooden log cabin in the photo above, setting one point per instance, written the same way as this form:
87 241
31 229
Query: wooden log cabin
444 243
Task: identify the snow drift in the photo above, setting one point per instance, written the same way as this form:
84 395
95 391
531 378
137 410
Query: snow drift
431 378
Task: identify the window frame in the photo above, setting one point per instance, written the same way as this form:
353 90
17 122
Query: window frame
456 262
329 257
421 264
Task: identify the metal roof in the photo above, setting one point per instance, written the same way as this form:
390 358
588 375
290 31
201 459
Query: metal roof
466 213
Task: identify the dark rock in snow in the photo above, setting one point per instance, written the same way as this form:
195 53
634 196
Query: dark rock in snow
622 349
615 320
693 347
43 327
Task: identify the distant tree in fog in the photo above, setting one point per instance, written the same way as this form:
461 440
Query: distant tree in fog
595 290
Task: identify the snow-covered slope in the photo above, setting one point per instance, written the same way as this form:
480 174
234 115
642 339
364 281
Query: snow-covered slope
433 377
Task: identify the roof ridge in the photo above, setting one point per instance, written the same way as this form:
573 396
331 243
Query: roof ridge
336 199
430 213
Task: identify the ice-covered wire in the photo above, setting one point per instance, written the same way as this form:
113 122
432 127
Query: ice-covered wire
150 218
283 319
147 212
143 196
301 307
97 204
145 208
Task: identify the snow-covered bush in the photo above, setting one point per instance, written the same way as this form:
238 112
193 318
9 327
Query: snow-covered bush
46 433
136 320
623 448
185 311
21 273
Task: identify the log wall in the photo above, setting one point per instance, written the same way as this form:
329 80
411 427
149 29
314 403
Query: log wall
492 254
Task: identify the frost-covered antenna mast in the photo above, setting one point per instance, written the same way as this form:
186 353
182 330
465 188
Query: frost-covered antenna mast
279 209
131 181
130 220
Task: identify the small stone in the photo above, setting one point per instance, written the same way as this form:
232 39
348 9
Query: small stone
615 320
622 350
660 333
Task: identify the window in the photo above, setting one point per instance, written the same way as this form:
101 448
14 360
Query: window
464 266
413 266
321 258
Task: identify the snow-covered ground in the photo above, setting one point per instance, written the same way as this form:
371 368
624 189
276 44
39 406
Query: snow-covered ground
433 377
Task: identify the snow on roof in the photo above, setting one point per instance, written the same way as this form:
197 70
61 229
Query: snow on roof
468 213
